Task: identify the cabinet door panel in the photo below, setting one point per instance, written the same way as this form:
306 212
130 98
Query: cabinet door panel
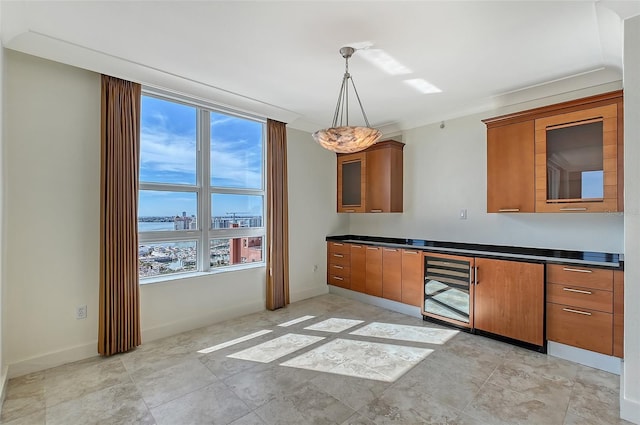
392 274
509 299
412 277
510 168
351 191
373 272
358 268
588 329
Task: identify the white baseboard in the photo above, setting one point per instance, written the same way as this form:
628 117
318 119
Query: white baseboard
409 310
4 379
588 358
52 359
629 409
85 351
196 322
307 293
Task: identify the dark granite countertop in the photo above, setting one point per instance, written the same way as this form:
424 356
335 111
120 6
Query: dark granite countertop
599 259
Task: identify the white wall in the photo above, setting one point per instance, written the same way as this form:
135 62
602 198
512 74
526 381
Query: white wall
52 162
312 213
630 388
445 171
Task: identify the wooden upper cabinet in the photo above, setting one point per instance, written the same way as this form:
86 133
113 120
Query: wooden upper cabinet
566 157
510 171
577 161
371 180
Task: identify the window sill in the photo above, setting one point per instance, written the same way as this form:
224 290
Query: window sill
182 276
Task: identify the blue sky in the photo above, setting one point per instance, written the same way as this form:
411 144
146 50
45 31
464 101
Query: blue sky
168 155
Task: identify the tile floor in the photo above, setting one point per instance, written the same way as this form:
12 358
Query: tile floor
373 366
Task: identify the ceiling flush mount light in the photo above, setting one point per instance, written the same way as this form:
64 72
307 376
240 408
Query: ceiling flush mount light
345 138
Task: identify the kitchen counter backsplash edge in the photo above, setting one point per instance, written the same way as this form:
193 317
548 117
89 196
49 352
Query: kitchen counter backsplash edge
601 259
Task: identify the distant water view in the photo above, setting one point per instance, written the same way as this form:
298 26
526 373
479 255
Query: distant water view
151 226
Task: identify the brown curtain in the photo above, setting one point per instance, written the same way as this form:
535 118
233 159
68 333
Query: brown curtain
277 216
119 321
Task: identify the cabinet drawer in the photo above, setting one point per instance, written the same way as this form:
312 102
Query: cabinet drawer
583 328
339 270
342 281
579 297
585 277
339 258
339 248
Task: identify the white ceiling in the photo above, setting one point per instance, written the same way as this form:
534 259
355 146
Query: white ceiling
281 59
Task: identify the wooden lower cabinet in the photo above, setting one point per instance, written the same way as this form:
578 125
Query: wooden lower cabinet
339 264
392 274
618 313
358 267
412 277
585 308
509 299
373 271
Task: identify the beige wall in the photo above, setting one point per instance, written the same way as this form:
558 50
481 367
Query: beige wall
52 215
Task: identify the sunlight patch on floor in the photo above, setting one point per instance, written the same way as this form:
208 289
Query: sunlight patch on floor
294 321
360 359
334 325
276 348
234 341
406 333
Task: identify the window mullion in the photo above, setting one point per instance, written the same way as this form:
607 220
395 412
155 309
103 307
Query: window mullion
204 184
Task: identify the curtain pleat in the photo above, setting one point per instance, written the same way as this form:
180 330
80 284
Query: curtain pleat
277 217
119 320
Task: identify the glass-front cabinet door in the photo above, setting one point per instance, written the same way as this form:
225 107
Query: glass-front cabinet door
576 160
351 182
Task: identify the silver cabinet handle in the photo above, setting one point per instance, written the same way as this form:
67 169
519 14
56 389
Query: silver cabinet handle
356 246
569 269
338 244
373 247
337 277
376 211
509 210
338 255
391 250
349 210
579 291
411 252
338 267
570 310
573 209
475 274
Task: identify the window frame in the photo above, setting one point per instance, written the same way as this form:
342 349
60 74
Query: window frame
204 191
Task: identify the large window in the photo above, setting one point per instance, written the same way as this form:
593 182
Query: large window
201 199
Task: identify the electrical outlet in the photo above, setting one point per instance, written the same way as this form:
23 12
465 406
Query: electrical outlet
81 312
